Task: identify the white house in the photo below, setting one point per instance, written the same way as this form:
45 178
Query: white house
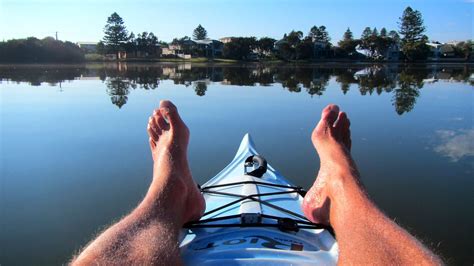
88 47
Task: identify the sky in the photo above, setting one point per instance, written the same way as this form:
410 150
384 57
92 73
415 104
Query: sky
84 20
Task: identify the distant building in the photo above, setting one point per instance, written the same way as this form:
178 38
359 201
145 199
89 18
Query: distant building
212 48
167 51
226 39
320 49
183 49
118 55
393 52
439 50
178 50
88 47
279 43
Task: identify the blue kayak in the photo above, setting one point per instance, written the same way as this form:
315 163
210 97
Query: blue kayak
253 217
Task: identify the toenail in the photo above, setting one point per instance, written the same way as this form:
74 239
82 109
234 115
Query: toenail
165 110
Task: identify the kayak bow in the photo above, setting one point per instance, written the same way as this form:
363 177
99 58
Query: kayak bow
254 217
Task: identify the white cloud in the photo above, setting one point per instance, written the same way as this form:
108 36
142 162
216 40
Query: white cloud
455 144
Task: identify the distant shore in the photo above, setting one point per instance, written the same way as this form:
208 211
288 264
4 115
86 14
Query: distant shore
220 61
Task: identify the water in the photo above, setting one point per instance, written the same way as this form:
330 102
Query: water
75 156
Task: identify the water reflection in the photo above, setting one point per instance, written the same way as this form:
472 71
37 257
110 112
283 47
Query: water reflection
403 82
455 144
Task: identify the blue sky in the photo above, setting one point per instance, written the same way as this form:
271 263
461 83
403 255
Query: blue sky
83 20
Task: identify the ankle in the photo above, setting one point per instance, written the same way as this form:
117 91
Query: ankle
346 194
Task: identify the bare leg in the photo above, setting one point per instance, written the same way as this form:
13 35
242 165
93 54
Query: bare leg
149 234
365 235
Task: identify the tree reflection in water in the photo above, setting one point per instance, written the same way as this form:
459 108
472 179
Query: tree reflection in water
403 82
200 87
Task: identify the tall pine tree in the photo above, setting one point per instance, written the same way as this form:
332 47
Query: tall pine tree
413 40
348 44
199 33
116 34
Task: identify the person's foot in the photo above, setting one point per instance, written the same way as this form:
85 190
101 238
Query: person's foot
332 140
169 138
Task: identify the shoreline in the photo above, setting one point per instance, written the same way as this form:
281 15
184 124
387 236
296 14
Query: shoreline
242 63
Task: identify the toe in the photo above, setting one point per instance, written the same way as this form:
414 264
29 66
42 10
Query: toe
153 129
341 122
330 114
160 119
152 144
342 127
328 118
170 112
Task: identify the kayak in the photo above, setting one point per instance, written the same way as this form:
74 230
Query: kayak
253 217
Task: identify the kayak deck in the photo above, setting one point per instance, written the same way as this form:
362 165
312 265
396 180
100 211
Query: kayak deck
254 220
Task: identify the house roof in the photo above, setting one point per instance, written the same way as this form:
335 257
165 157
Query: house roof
87 43
206 41
282 41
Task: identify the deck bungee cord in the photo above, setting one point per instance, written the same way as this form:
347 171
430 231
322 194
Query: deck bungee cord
255 219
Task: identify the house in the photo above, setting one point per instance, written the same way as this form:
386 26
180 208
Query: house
181 49
119 55
187 48
320 49
226 39
279 43
166 51
439 50
211 48
393 52
88 47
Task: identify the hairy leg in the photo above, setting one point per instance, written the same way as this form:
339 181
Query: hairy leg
149 234
365 235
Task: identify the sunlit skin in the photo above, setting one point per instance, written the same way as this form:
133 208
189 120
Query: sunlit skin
149 234
364 234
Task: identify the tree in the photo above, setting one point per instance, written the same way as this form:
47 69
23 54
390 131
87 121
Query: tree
348 44
287 46
131 45
294 38
116 34
413 40
464 49
394 36
375 32
240 48
348 36
33 50
265 45
366 33
319 34
199 33
147 42
383 32
101 48
368 41
304 49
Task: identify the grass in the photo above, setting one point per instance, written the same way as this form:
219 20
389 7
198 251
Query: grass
93 57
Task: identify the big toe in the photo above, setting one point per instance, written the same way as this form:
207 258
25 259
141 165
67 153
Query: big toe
328 118
170 112
329 114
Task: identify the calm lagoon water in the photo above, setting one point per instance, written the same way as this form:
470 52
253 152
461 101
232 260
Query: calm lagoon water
75 156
